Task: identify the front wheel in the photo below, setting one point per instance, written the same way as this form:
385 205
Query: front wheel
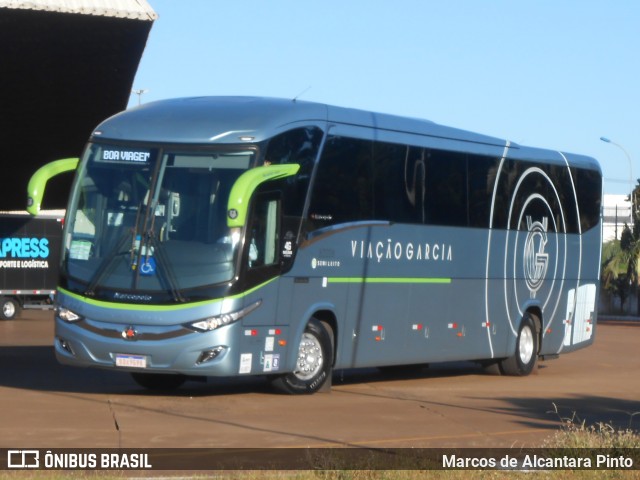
313 365
523 360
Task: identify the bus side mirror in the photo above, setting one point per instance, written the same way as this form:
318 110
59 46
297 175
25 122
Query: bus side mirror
246 184
38 181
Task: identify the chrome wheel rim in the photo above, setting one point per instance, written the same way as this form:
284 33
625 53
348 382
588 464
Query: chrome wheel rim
310 359
8 309
525 346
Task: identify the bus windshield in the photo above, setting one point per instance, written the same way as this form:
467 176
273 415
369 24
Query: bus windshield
151 223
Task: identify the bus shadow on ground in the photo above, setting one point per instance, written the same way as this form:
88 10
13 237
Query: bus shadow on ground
579 412
36 368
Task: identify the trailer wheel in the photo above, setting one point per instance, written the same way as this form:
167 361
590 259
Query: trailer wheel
313 366
523 360
159 381
9 308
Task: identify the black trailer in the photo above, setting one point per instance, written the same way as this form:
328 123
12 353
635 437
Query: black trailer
29 261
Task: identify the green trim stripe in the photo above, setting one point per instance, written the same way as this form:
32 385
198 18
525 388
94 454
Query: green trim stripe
156 308
184 306
436 280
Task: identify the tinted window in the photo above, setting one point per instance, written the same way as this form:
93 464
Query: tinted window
295 146
521 182
481 173
446 192
361 180
343 186
589 187
400 175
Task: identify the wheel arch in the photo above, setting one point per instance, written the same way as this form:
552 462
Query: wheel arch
323 312
314 374
535 312
523 357
329 317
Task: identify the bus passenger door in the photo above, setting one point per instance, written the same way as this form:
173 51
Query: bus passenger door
261 257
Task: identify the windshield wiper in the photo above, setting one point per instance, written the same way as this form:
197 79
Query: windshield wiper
104 266
146 244
108 259
165 264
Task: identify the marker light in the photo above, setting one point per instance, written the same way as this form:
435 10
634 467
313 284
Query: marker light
211 323
67 315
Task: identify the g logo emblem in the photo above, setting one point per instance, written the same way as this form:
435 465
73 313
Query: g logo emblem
536 260
531 257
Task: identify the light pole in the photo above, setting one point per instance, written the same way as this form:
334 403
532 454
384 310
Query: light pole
139 92
631 187
634 260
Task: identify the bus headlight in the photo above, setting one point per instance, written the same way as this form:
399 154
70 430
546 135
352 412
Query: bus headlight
67 315
212 323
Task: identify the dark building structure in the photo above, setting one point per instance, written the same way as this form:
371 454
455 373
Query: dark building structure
64 67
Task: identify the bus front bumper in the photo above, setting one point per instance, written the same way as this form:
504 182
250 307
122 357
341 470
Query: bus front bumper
227 351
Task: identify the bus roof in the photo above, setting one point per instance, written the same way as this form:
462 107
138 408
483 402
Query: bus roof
233 120
208 120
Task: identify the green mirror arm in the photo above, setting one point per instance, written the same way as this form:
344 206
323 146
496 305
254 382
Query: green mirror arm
246 184
38 181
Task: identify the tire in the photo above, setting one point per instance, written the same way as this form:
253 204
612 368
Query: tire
159 381
9 308
522 362
315 358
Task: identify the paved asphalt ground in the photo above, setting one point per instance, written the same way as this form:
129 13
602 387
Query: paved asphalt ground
46 405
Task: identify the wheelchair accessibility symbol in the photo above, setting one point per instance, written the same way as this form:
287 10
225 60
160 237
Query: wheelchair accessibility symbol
148 267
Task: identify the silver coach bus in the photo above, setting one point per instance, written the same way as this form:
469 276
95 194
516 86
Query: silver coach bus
236 236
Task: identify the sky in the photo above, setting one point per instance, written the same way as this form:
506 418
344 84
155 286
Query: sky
556 74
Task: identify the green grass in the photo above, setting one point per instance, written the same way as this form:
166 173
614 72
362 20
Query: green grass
576 434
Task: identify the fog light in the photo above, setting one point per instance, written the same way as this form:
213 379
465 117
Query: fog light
208 355
64 345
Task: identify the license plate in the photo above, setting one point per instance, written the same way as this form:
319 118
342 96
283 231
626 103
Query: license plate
127 360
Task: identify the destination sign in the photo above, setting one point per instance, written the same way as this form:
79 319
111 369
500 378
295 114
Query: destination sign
133 156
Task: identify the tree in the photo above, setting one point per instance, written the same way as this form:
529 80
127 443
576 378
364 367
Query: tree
614 279
621 260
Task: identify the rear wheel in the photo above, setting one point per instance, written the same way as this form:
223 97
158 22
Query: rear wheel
523 360
158 381
9 308
313 366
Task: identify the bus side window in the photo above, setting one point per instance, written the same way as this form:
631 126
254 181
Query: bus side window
264 232
343 187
